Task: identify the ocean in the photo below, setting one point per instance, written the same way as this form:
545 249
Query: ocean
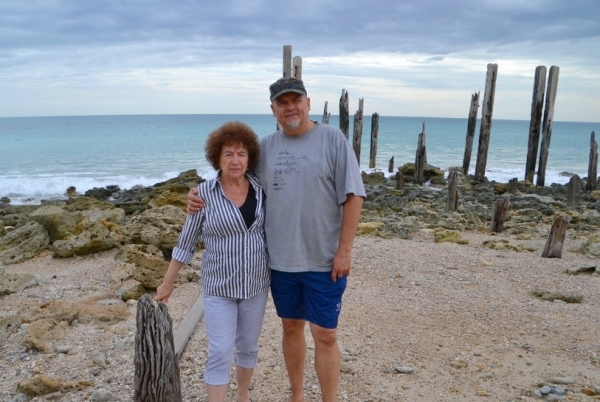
40 157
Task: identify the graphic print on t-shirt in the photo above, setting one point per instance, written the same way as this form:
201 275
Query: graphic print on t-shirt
286 164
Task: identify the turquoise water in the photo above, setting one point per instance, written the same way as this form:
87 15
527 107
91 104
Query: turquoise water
41 156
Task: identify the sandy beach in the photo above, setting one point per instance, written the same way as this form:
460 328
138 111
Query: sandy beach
421 321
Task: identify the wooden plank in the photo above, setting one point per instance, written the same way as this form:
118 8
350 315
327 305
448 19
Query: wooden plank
535 124
487 111
548 121
188 325
471 125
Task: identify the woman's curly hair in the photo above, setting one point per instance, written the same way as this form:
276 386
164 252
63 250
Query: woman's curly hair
232 133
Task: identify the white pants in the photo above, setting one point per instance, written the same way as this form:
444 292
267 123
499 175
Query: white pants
232 323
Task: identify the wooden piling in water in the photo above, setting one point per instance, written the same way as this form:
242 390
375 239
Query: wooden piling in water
399 179
156 377
287 61
345 114
326 115
573 190
419 177
391 165
486 120
358 126
556 238
535 124
548 121
512 185
592 179
471 125
297 67
452 202
374 137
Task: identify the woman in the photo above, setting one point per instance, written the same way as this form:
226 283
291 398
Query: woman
235 276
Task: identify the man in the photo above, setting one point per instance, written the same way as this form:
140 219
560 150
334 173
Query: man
314 191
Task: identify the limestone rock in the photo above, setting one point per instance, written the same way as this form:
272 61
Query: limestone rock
158 226
13 282
114 215
134 292
59 223
369 227
8 323
92 237
430 172
373 178
121 254
82 203
23 243
168 197
42 385
42 334
453 236
15 220
149 270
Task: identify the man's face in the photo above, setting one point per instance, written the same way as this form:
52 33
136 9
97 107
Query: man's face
291 110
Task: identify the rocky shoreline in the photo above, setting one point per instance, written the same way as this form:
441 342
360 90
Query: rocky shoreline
127 235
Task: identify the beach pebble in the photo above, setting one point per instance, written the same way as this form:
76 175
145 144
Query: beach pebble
101 395
560 380
404 369
545 390
19 398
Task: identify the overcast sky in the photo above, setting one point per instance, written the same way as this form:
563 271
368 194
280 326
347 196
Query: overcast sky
405 58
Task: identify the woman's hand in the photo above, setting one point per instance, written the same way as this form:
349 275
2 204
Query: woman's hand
164 291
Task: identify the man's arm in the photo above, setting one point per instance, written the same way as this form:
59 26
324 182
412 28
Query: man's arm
342 261
194 204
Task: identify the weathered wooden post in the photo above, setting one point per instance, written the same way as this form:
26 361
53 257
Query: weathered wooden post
358 126
499 217
512 185
556 238
418 176
486 120
535 123
399 180
287 61
471 125
297 67
573 190
452 204
391 165
326 115
345 113
374 137
592 179
548 121
156 377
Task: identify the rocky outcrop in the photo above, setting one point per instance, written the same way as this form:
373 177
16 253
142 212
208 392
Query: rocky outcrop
43 334
91 237
23 243
59 223
13 282
8 323
158 226
43 385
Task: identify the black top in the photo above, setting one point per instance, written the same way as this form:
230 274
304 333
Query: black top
248 208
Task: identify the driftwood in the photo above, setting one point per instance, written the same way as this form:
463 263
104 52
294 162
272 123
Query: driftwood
537 104
345 114
556 238
374 137
391 165
592 179
470 132
573 189
156 377
187 326
418 176
287 61
297 67
548 121
326 115
487 110
499 217
358 126
452 204
399 180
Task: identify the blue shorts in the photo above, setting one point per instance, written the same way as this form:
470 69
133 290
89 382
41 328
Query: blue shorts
310 296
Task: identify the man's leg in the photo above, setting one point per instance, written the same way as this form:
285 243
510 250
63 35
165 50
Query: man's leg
294 354
327 360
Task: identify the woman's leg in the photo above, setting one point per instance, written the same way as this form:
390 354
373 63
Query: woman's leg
251 313
220 320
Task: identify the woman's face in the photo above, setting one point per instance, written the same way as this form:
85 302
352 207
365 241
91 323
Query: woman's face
233 161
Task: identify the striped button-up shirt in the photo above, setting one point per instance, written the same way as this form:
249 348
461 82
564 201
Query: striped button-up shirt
234 263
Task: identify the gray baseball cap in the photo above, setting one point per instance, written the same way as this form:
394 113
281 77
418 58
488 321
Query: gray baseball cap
285 85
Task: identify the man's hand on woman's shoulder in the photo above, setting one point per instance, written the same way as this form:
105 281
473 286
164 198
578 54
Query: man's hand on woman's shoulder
194 204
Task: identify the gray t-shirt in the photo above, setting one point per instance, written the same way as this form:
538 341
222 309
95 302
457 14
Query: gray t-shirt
306 180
